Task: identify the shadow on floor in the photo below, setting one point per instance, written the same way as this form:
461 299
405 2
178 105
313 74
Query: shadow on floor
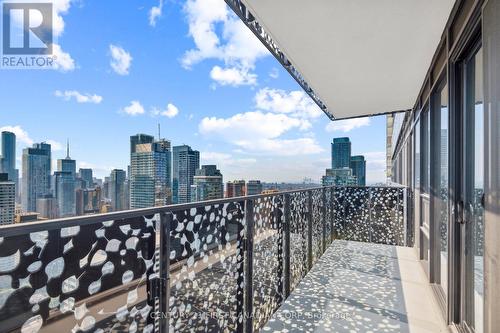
354 287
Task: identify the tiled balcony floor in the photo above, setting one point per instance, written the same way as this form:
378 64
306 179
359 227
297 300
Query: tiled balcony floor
361 287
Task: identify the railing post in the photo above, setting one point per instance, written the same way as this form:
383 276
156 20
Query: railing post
248 306
309 230
286 245
370 222
323 218
164 271
332 215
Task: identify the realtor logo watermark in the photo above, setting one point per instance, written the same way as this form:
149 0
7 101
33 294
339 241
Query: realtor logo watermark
27 34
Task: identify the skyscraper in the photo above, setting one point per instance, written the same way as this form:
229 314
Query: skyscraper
117 190
87 177
207 184
36 174
235 188
186 162
358 166
67 164
8 158
7 199
254 187
150 172
64 186
341 153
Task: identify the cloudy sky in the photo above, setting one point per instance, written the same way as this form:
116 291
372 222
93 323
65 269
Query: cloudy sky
190 66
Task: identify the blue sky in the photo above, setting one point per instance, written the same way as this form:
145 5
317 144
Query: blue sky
191 66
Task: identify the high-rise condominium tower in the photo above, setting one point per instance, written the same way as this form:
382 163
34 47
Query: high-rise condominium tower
150 172
186 162
36 174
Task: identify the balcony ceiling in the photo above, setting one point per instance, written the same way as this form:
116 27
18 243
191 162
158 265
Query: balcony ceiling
361 57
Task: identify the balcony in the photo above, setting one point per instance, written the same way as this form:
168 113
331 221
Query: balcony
218 266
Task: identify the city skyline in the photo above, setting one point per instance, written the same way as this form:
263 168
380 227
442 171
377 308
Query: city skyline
232 101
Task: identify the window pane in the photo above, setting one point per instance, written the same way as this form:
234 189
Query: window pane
443 190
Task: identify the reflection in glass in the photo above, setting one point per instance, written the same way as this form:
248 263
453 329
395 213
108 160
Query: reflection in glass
443 190
477 208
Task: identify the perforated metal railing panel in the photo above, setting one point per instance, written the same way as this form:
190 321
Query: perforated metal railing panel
220 266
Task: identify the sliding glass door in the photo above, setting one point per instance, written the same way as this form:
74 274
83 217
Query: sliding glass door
470 215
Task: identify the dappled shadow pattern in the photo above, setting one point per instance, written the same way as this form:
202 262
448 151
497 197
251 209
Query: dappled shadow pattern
354 287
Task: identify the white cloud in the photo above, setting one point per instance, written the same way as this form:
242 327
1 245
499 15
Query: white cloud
233 76
347 125
21 135
236 46
259 133
55 146
250 125
281 147
296 103
134 109
155 13
170 112
60 7
62 60
79 97
223 159
120 60
274 74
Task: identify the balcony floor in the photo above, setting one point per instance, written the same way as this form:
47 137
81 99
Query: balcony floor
361 287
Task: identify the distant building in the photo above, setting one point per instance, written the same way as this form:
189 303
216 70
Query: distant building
185 163
47 207
36 174
207 184
7 199
358 166
339 177
150 172
117 190
88 201
341 153
87 177
235 188
65 193
254 187
8 159
28 217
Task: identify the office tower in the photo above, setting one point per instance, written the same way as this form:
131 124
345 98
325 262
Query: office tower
341 153
150 172
36 174
47 207
105 187
358 166
87 177
207 184
67 164
254 187
186 162
64 186
235 188
8 158
88 201
7 199
117 190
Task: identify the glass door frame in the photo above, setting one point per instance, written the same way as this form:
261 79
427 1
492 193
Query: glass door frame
459 278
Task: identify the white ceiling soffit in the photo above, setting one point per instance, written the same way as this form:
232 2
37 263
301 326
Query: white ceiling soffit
354 57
